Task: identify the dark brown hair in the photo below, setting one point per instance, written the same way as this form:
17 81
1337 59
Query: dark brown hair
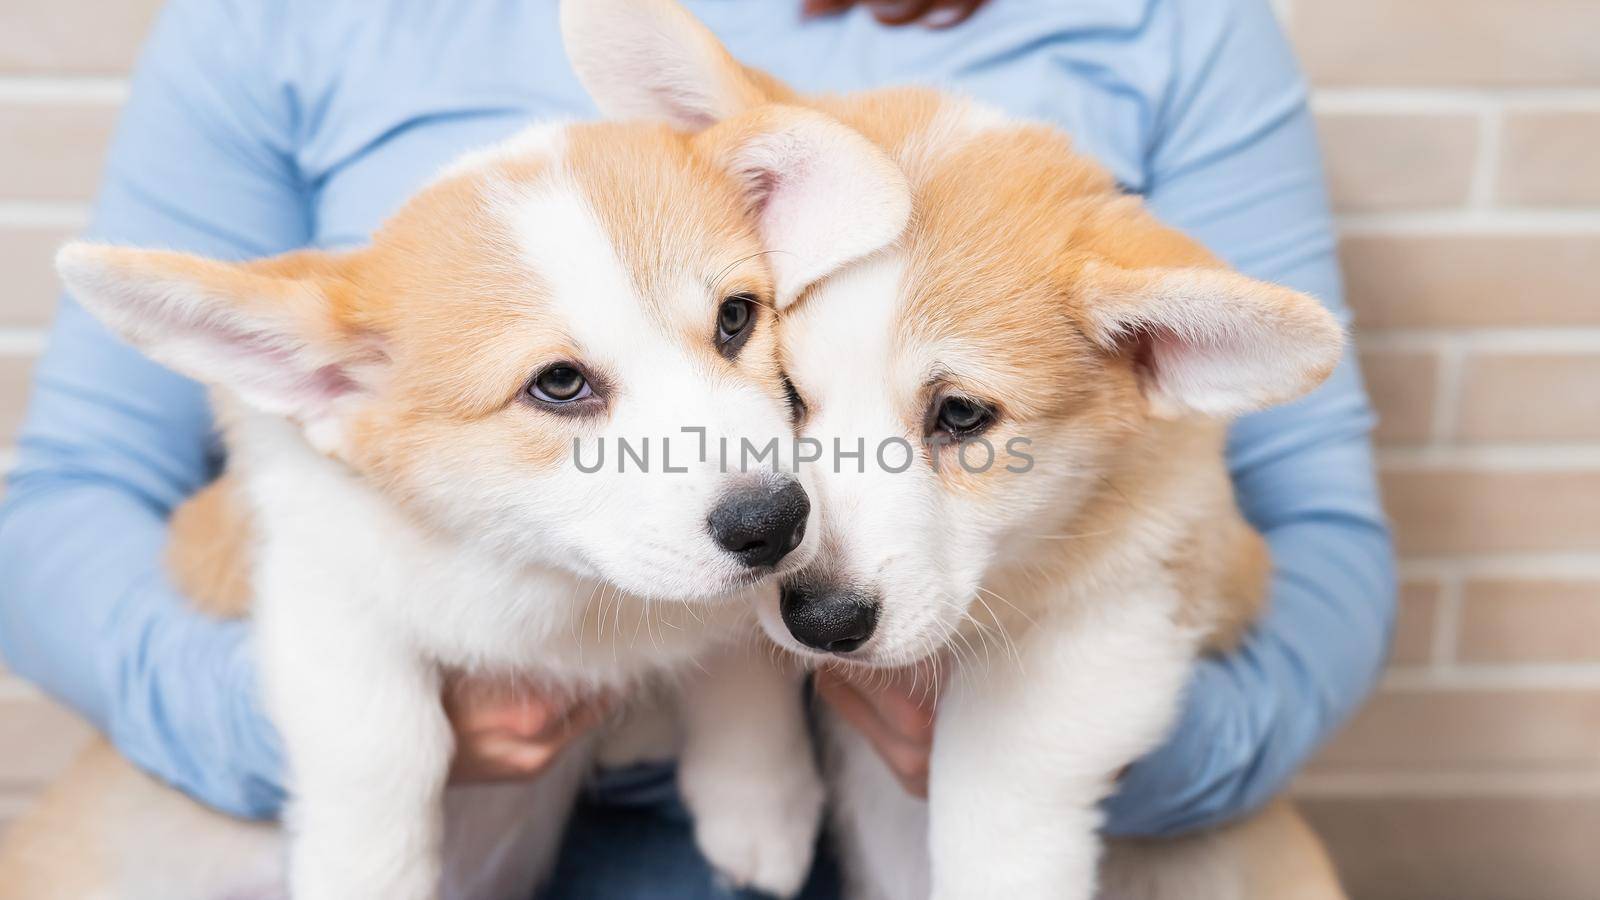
939 13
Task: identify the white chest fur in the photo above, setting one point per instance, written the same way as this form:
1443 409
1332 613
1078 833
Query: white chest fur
359 612
327 535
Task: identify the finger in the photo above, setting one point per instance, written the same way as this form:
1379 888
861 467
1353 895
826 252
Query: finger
910 768
906 711
906 714
493 757
526 718
907 760
849 703
583 718
574 720
512 757
474 706
519 761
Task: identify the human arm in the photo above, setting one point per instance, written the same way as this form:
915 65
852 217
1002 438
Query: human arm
1236 165
1233 161
113 442
203 162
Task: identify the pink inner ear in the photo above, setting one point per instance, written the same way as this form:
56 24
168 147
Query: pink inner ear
273 366
330 382
285 372
760 184
1153 349
1168 352
685 104
1163 360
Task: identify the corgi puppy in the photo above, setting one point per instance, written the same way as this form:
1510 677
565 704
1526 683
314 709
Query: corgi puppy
413 430
1019 408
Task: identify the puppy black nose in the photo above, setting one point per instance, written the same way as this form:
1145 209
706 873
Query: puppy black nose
760 522
834 620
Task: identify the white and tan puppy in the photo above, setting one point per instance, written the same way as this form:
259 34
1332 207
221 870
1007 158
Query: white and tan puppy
1020 410
403 422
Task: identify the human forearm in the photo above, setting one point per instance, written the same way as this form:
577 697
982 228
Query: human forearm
113 442
1254 716
79 567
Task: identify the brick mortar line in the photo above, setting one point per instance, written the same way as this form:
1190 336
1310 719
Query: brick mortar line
1473 222
1397 100
1482 341
14 797
1452 366
1507 567
1492 678
1493 457
43 214
1447 622
92 90
21 341
15 690
1388 785
1486 166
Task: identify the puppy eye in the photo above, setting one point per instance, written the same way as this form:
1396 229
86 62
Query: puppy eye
797 405
734 317
560 383
962 416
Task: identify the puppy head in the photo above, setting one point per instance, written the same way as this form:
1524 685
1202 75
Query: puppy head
1015 353
969 388
516 357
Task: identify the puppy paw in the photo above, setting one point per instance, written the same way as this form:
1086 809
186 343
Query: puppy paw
758 830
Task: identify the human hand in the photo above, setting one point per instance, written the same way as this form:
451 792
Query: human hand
895 713
513 732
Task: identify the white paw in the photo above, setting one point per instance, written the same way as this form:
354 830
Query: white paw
758 830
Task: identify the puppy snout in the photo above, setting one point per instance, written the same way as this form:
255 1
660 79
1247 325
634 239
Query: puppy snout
829 619
760 522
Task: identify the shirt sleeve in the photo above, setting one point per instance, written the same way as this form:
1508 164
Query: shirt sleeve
113 442
1234 162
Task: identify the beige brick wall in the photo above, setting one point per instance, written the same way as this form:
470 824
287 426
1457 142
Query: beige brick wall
62 70
1463 144
1463 139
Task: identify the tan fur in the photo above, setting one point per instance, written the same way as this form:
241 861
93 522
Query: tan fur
52 851
1233 562
70 842
208 551
632 183
1281 856
60 849
979 290
468 358
1006 303
95 821
1015 235
459 317
1012 233
1273 855
654 247
896 119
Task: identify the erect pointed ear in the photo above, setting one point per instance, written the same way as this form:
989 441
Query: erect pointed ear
267 331
1211 341
822 195
651 59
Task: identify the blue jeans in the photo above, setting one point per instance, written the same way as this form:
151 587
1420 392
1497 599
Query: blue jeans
631 839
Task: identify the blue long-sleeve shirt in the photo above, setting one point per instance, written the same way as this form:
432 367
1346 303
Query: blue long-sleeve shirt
257 127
